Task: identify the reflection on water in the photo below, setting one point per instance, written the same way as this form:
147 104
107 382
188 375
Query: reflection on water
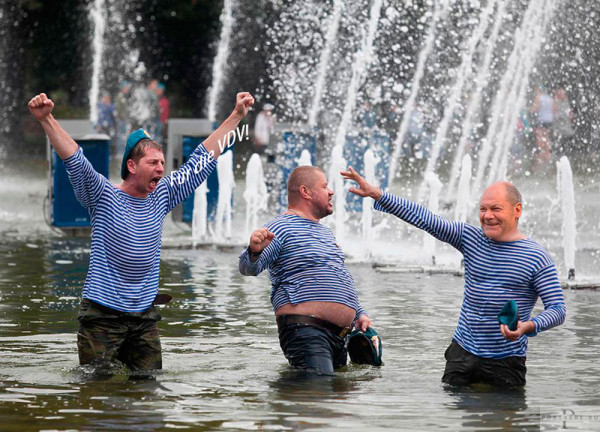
224 368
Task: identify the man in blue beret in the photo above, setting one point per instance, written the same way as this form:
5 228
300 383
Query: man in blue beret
117 316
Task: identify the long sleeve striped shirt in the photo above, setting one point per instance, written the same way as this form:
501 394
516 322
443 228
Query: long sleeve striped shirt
304 264
495 272
127 231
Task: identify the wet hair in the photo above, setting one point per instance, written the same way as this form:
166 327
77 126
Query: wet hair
139 151
301 176
513 195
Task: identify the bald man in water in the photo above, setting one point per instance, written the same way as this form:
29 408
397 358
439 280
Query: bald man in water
313 293
501 264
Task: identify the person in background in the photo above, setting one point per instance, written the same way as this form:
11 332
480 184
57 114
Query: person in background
264 126
123 116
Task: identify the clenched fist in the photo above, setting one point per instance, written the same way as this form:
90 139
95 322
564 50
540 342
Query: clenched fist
260 239
40 106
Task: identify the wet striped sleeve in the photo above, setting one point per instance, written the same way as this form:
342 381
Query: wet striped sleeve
87 183
421 217
267 256
181 183
548 288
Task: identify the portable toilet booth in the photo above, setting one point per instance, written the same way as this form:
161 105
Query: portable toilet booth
65 212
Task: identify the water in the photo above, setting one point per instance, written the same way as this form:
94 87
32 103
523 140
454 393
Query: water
330 38
566 196
220 62
255 195
224 203
223 369
97 15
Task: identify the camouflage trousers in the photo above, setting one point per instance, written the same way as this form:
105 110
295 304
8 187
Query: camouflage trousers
106 335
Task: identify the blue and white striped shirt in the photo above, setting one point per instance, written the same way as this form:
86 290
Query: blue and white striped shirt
304 263
495 272
127 231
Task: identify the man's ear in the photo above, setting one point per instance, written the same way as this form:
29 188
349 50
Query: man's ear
305 192
131 166
518 210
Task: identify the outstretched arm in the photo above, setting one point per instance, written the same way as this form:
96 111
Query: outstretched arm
411 212
41 108
243 103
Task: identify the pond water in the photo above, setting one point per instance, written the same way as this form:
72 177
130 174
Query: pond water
224 370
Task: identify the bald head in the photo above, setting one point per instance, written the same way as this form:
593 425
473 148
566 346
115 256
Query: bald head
305 175
511 193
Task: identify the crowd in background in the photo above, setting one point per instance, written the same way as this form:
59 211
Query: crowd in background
142 106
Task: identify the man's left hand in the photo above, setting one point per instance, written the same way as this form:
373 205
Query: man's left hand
362 322
522 328
243 102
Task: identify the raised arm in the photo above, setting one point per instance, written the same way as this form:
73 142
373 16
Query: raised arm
41 108
410 212
243 103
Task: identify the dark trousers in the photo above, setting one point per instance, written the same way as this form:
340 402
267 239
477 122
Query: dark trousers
463 368
106 335
313 349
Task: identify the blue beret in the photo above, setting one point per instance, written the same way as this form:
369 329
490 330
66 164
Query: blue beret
134 138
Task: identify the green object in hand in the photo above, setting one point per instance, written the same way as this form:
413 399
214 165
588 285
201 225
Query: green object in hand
509 315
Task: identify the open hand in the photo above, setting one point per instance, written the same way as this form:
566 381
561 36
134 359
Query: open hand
40 106
365 189
260 239
244 101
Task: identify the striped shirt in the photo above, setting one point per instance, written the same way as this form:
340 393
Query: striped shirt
495 272
304 263
127 231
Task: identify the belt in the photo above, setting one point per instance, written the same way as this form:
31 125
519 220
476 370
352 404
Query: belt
283 320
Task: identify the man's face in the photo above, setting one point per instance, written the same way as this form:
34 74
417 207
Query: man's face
321 196
150 169
499 218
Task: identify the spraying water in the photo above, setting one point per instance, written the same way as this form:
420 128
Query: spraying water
510 94
462 75
473 109
415 86
434 186
304 158
97 15
220 62
566 196
255 195
226 185
199 214
361 63
336 183
324 61
463 197
371 162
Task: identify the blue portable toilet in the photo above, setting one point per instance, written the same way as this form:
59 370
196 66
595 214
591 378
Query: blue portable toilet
66 212
288 153
354 152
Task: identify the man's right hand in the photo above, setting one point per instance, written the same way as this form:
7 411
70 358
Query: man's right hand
365 189
260 239
40 106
